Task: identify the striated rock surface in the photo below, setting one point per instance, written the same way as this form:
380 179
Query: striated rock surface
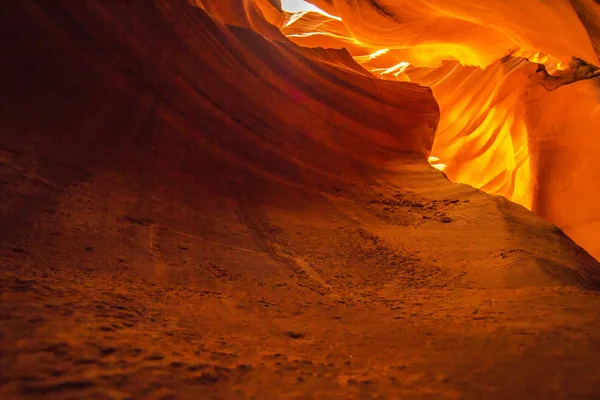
500 71
477 34
195 210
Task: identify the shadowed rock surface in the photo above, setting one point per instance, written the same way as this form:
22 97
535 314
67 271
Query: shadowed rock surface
192 210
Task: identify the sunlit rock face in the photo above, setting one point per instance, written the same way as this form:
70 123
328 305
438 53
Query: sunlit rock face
430 31
565 124
481 61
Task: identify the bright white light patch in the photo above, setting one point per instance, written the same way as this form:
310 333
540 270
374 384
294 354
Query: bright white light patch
297 6
435 163
396 69
372 56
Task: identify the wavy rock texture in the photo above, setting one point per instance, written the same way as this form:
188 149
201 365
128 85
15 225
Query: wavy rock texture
476 34
196 210
482 62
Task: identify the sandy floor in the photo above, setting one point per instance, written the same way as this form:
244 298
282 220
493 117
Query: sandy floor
88 335
324 304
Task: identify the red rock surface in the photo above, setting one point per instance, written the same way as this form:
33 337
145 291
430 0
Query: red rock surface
192 210
506 127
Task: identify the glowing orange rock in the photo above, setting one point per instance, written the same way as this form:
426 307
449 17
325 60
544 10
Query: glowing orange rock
492 135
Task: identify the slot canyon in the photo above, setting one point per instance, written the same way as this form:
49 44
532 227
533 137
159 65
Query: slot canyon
267 199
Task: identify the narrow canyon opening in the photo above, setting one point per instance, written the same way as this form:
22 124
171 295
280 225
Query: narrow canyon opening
250 199
497 115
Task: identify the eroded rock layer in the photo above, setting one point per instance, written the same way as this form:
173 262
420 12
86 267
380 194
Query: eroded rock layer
191 209
494 67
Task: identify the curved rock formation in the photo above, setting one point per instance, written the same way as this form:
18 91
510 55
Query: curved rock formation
476 34
194 206
474 57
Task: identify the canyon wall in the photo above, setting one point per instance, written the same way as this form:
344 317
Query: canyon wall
506 127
